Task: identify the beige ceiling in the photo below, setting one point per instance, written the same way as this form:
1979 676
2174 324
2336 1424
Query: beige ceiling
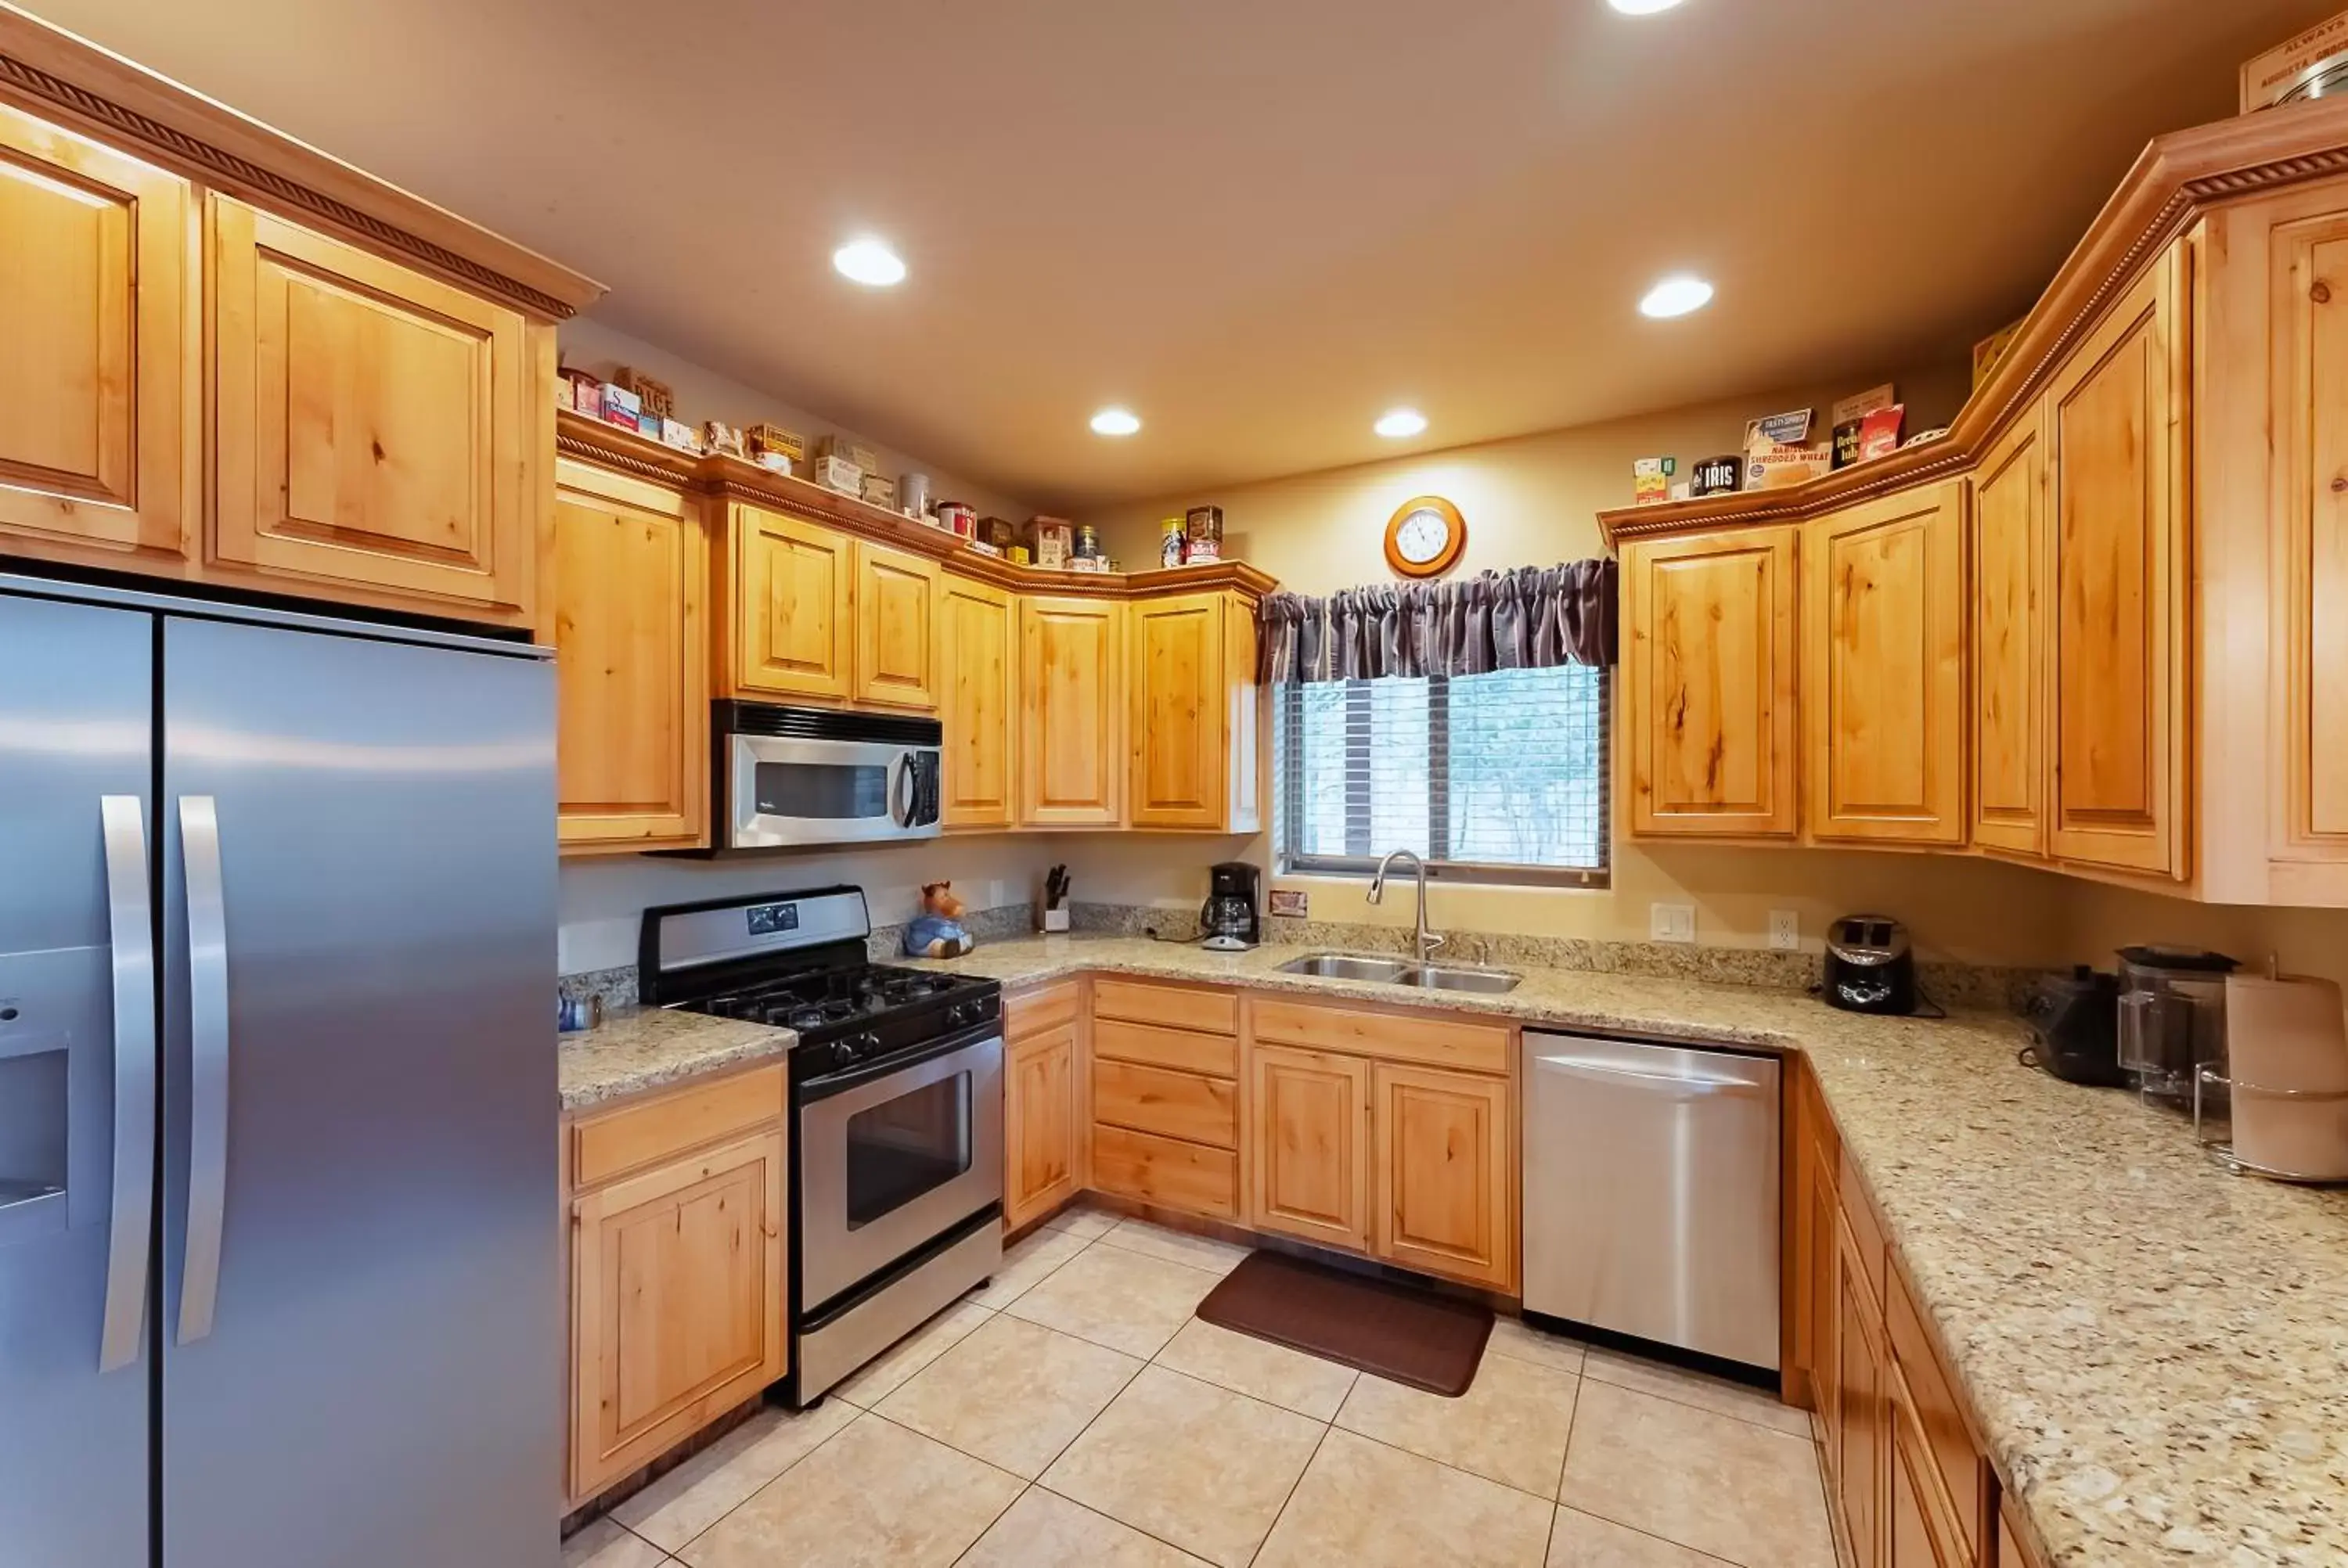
1258 222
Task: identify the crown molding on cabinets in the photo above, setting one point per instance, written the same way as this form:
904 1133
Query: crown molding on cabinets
49 72
2176 181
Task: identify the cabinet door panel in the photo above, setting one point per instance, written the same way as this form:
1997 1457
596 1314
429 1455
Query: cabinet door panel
1178 711
370 420
677 1295
796 606
896 628
93 344
1712 744
1885 673
2117 450
976 663
1444 1165
1072 704
2011 551
2312 308
1309 1154
1861 1430
1039 1124
631 668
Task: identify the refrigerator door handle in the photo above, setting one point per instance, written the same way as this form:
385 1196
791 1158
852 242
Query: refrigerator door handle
131 1224
208 1062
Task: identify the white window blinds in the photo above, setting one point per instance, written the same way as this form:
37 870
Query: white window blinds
1485 776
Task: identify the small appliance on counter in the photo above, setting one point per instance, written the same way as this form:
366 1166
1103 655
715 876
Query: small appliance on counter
1869 967
2075 1028
1227 921
2172 1018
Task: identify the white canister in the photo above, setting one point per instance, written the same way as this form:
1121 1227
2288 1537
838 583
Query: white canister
914 493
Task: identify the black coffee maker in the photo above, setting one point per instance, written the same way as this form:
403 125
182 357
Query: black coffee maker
1227 921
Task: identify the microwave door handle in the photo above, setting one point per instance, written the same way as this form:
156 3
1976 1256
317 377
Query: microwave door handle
130 1225
901 796
208 1064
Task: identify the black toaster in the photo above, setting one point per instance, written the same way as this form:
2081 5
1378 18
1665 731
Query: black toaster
1870 967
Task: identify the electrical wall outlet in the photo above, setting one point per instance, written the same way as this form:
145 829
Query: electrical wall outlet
1786 930
1672 922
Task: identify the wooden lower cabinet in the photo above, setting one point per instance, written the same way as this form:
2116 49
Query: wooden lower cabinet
1445 1173
1166 1172
1041 1123
677 1302
1918 1530
1860 1426
1310 1143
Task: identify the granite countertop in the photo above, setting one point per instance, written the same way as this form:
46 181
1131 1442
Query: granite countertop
2156 1350
638 1048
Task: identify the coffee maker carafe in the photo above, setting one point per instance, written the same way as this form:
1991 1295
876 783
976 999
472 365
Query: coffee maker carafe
1227 921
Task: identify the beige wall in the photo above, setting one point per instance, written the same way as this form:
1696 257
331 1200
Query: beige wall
1532 501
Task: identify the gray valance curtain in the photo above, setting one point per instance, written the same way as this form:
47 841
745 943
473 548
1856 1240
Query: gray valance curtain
1531 617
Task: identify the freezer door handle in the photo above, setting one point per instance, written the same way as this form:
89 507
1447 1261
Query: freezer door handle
208 1059
1680 1085
131 1224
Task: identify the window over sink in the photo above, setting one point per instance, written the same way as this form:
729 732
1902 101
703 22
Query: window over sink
1497 777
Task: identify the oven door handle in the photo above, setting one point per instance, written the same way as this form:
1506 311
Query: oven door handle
814 1090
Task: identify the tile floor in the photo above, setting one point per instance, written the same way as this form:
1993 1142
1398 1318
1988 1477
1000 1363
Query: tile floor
1076 1413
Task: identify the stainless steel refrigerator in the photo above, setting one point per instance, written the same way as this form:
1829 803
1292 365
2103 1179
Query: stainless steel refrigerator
277 1091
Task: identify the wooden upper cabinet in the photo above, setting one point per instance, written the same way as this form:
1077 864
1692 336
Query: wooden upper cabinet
977 660
678 1307
2310 313
793 607
896 628
1072 711
1444 1171
2012 556
1193 712
1713 747
1310 1146
374 427
632 665
1041 1118
96 350
2116 451
1884 668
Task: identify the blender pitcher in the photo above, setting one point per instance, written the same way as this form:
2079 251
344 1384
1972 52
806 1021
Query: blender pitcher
2172 1018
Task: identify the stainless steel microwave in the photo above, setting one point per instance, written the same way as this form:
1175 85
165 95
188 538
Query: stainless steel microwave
789 777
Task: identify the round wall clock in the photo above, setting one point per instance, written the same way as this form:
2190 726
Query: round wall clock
1425 537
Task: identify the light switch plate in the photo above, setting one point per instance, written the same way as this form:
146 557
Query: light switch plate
1786 930
1672 922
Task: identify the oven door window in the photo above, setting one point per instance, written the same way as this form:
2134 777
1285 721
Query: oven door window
823 792
902 1148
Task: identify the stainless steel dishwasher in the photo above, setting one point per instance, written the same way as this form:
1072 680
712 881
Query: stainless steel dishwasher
1651 1192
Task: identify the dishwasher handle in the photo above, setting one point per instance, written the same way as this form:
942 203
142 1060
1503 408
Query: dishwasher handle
1679 1085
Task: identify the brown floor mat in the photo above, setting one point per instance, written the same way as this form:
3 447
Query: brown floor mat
1413 1336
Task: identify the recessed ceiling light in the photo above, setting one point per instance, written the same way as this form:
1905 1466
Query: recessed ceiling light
1397 422
1676 296
1114 421
1642 7
869 261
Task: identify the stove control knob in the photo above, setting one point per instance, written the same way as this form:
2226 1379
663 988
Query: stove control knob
867 1042
843 1052
961 1013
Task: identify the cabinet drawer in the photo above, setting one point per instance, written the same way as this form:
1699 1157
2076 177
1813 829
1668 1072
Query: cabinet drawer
1176 1007
1033 1012
1177 1104
1428 1038
618 1142
1166 1171
1866 1230
1937 1412
1177 1049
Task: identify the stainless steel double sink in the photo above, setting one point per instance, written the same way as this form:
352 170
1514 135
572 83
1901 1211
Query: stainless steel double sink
1401 972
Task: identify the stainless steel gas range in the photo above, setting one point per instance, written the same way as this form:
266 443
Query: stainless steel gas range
896 1109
